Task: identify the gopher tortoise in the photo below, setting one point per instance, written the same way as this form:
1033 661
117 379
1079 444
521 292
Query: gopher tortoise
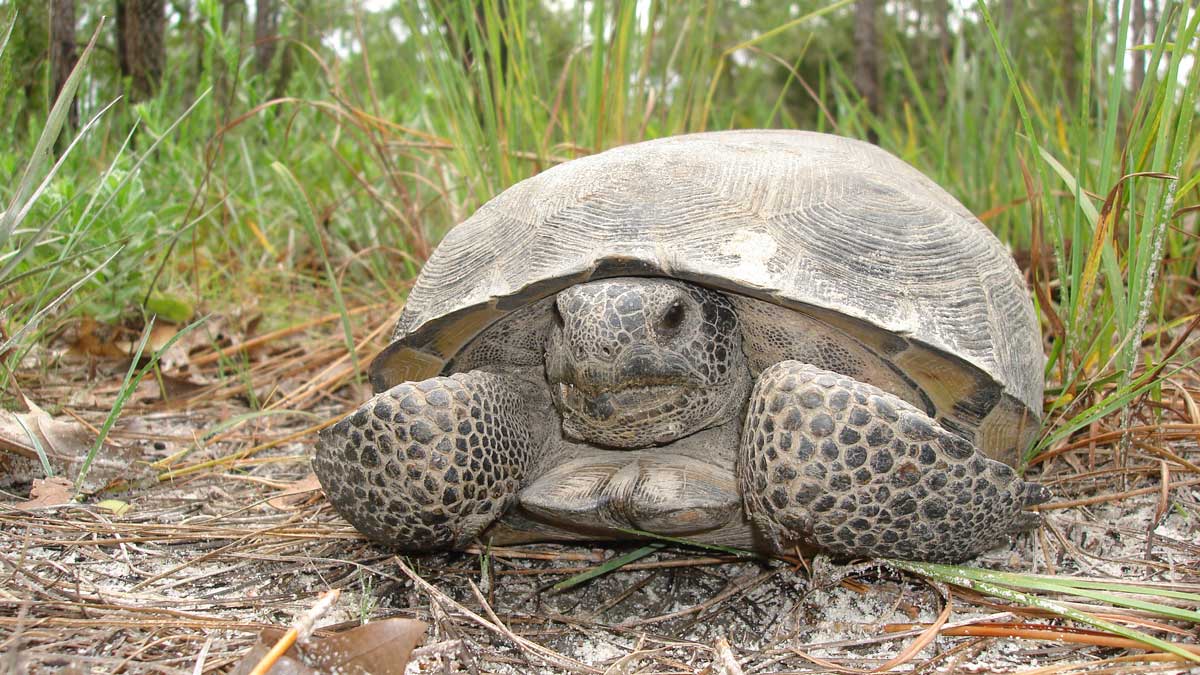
766 339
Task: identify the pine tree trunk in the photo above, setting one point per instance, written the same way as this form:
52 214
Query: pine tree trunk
1138 65
1116 29
231 9
266 33
1152 14
62 50
141 52
866 65
942 20
1070 62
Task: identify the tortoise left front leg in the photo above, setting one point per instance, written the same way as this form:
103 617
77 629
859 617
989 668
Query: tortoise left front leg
833 463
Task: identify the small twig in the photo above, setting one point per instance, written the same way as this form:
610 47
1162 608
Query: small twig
445 600
1099 499
726 659
300 630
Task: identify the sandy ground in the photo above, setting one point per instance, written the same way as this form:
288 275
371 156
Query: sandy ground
184 579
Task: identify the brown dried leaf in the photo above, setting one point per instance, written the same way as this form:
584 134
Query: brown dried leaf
92 338
67 444
62 441
296 494
376 648
53 491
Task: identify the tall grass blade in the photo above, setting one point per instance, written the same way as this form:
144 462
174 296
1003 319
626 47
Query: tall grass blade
304 211
18 205
977 580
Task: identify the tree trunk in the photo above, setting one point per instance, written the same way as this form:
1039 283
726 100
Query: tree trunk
62 50
229 10
1152 15
1138 65
266 33
287 57
141 52
941 20
941 16
1070 62
1116 30
866 65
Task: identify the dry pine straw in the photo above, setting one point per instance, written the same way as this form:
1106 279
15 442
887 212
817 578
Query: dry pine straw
183 581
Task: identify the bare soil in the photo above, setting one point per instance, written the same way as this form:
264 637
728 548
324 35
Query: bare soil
206 557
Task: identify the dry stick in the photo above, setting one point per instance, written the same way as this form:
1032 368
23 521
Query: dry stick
1169 430
445 600
923 639
206 359
1164 453
715 600
534 554
865 642
301 629
317 381
948 660
491 613
1112 498
1077 636
233 545
726 658
657 564
243 454
1100 473
198 669
620 597
1093 665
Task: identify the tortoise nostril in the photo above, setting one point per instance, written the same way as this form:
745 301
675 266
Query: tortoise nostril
606 351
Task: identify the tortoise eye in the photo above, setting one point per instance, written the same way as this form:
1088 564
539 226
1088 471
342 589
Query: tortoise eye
673 317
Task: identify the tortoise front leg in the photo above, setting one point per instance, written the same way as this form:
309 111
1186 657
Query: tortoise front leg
429 465
838 464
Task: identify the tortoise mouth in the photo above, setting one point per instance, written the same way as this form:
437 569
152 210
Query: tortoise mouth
617 403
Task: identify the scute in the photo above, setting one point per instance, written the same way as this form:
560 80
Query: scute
803 220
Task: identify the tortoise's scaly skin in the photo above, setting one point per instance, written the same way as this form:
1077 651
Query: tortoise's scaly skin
430 464
830 462
764 339
670 351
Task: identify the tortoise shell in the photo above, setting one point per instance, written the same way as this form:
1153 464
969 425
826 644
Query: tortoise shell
833 228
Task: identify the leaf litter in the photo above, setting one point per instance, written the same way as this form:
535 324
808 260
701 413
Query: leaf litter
226 538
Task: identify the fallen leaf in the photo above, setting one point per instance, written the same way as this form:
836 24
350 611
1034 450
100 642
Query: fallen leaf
377 648
115 506
66 443
164 387
53 491
92 338
60 440
296 494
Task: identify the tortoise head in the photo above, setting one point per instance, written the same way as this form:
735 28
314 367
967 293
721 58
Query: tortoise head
634 362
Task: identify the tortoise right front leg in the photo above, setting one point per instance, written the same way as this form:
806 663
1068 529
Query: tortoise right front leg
429 465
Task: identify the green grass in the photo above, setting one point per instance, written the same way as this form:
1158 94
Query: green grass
190 201
397 141
1016 588
228 189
